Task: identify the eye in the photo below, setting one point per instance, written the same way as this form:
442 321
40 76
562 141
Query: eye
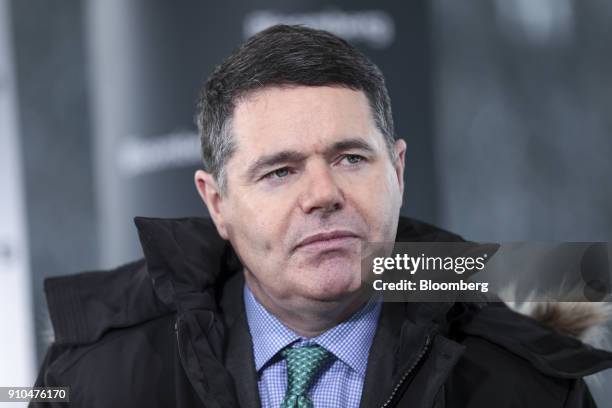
353 158
278 173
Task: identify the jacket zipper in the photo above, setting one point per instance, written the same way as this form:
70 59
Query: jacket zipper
178 344
407 373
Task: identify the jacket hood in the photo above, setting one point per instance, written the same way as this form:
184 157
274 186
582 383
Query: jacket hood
186 265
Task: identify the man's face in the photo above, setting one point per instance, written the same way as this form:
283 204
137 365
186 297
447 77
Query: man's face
310 179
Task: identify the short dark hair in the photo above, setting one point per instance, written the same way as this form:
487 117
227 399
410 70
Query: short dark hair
284 55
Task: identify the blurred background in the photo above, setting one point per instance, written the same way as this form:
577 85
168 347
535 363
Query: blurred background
506 107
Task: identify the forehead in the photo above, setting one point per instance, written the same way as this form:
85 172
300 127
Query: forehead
301 117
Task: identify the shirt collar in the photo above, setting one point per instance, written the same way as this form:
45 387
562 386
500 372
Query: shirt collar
349 341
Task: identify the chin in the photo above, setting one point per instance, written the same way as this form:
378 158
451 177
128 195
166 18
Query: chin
331 285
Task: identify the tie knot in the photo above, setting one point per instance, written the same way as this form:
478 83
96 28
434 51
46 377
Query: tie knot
303 363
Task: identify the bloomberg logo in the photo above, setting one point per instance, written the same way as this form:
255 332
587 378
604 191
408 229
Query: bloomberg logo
375 28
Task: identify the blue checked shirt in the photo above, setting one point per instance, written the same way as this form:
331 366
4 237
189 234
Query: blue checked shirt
340 384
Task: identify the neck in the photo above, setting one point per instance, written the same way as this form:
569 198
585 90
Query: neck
309 318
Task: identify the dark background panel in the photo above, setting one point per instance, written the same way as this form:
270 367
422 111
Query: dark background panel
56 143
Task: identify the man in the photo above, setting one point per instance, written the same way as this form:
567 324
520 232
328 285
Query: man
264 306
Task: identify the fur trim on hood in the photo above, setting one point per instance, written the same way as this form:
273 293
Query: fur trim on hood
587 321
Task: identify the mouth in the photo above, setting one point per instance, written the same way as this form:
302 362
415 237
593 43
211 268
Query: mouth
327 241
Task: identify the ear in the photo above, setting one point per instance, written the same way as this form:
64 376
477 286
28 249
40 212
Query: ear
400 160
211 196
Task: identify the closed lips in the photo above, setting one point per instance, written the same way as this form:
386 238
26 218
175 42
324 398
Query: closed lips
325 236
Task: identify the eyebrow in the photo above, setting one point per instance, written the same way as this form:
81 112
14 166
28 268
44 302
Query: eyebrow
294 156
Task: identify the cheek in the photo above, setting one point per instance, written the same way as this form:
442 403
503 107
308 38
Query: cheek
256 225
378 200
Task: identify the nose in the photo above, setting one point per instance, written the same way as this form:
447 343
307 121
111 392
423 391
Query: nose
321 191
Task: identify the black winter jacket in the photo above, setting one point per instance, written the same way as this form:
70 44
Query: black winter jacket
170 331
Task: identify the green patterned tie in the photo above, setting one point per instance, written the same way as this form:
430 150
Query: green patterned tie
303 363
